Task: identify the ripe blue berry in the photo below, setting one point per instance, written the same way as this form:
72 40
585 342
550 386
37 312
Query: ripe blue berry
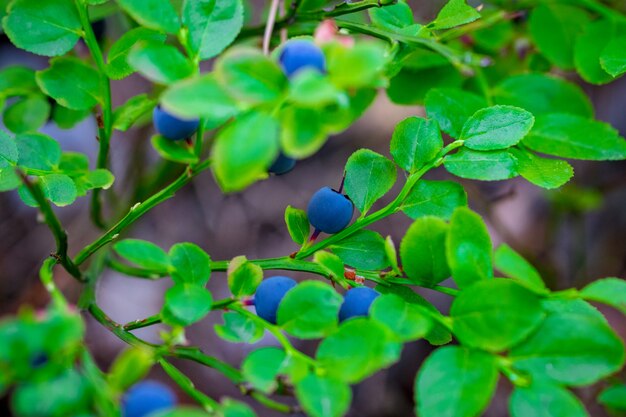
146 397
357 302
300 53
172 127
329 211
269 295
282 165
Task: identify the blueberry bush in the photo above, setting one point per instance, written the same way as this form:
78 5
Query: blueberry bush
495 84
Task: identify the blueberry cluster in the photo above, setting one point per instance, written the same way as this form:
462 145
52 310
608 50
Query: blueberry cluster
296 55
147 397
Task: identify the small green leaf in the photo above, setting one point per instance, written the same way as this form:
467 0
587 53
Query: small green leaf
496 127
212 24
544 172
43 27
369 176
588 49
364 249
251 76
153 14
323 396
613 57
191 265
331 263
8 179
454 13
609 291
8 150
496 314
575 137
545 399
244 150
452 107
243 276
98 178
144 254
37 151
297 224
484 166
302 131
72 83
309 310
238 329
407 321
117 65
158 62
130 367
423 251
67 118
175 151
614 397
394 17
455 381
130 112
415 142
434 198
468 248
16 80
186 304
358 66
309 88
59 189
392 255
27 115
513 265
261 368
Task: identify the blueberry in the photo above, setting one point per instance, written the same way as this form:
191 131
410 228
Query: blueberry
269 295
172 127
329 211
146 397
298 54
282 165
357 302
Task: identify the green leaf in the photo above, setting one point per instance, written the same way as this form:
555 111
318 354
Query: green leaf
186 304
542 94
238 329
16 80
614 397
8 179
496 314
452 107
37 151
130 112
212 24
174 151
613 57
323 396
130 367
358 66
554 29
392 255
154 14
309 310
513 265
43 27
575 137
72 83
331 263
496 127
468 248
158 62
309 88
59 189
406 321
67 118
455 382
423 251
297 224
243 277
117 65
251 76
200 97
544 172
191 265
434 198
358 349
369 176
8 150
27 115
144 254
454 13
364 249
302 131
588 49
573 346
484 166
261 368
99 178
244 150
545 400
415 142
392 17
232 408
609 291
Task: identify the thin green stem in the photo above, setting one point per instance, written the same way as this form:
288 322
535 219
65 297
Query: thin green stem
140 209
47 279
482 23
105 126
183 381
132 271
53 222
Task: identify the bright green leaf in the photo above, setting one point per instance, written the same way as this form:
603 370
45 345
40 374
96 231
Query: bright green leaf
191 265
262 366
545 400
434 198
423 251
117 65
153 14
186 304
512 264
238 329
364 249
454 13
8 150
484 166
297 224
610 291
37 151
72 83
243 276
407 321
369 176
143 253
323 396
588 49
544 172
302 131
174 151
158 62
614 397
452 107
415 142
130 112
496 127
59 189
27 115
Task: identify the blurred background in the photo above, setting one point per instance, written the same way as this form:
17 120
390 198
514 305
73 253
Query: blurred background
573 235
